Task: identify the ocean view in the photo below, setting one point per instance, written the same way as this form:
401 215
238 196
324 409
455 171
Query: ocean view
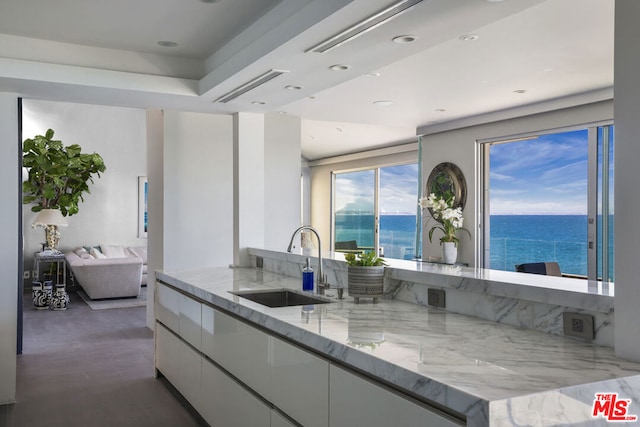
515 239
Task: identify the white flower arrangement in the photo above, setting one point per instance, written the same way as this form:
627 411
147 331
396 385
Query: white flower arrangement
449 218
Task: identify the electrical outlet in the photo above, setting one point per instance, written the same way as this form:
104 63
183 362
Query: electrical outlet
435 297
578 325
26 274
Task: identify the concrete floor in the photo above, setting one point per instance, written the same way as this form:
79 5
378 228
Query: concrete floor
88 368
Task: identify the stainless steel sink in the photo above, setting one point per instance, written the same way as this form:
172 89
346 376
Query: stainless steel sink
280 297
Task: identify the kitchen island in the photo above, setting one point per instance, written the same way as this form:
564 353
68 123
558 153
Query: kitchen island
461 369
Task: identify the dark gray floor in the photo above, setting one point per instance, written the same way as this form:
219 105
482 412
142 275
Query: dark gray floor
88 368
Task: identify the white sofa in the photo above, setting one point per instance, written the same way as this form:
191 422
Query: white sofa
109 271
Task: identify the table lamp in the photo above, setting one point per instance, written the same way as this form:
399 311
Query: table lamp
50 220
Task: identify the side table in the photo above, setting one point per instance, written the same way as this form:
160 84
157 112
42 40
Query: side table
47 257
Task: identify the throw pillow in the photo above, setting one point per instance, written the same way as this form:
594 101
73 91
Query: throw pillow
86 255
113 251
80 252
140 252
97 254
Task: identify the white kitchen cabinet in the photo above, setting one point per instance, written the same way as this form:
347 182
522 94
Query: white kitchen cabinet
278 420
180 364
228 404
299 384
168 307
167 354
180 313
355 401
191 321
239 348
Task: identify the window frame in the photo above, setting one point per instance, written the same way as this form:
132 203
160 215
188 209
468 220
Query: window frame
483 187
376 168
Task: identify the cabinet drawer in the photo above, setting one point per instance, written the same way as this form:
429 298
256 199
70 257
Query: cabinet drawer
180 364
168 307
239 348
191 321
356 401
227 404
300 384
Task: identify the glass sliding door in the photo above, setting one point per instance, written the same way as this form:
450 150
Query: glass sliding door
549 197
354 210
605 216
398 209
376 209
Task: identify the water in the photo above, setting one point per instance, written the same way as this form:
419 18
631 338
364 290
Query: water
397 233
515 239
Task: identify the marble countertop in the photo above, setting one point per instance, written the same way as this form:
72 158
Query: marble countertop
562 291
484 370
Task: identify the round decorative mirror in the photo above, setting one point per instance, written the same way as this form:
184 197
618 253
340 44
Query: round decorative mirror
446 180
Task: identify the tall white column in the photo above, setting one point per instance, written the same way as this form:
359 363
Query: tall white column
10 235
248 185
155 203
627 198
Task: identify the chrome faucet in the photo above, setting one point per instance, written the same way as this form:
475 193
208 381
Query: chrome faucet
320 280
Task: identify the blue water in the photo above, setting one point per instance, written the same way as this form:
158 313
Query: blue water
397 233
515 239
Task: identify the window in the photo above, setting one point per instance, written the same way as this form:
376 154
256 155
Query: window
550 198
375 209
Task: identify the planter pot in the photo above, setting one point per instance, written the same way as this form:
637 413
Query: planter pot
365 282
449 252
60 299
41 294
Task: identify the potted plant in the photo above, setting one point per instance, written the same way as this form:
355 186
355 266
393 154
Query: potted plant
58 177
449 222
365 272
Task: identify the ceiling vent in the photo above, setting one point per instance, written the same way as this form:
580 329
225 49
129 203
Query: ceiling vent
250 85
365 25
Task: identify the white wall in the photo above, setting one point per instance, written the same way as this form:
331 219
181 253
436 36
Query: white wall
198 190
248 185
627 202
460 147
9 243
282 179
109 214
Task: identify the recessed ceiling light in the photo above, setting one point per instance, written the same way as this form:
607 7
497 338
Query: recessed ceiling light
339 129
282 112
469 37
440 110
258 102
311 97
519 91
404 39
547 70
293 87
167 43
339 67
383 103
312 137
373 74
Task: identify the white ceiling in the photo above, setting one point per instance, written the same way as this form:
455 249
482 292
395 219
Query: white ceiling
559 51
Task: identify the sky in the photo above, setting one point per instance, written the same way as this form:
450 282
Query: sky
543 176
398 190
